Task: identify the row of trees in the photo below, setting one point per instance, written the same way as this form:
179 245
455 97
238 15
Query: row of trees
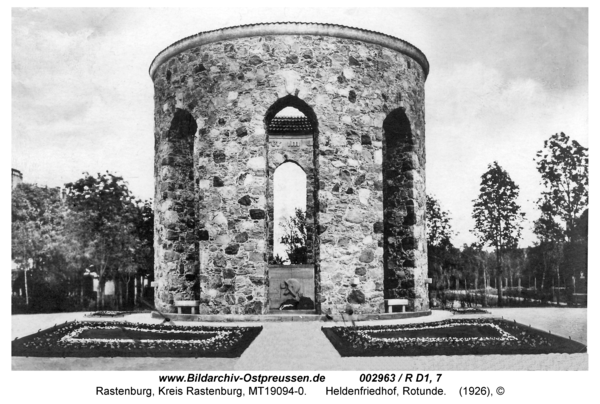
94 229
561 252
98 228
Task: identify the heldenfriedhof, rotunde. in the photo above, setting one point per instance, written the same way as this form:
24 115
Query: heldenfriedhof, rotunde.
345 106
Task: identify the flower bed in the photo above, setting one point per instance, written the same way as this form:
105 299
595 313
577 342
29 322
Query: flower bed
449 337
111 339
470 310
106 313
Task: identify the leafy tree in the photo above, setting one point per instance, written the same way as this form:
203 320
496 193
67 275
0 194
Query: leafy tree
294 237
551 242
442 257
546 227
535 266
98 227
443 264
103 213
580 230
439 230
38 218
515 265
497 215
563 165
474 261
575 266
143 247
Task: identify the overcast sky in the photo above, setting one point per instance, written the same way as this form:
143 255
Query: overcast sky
501 82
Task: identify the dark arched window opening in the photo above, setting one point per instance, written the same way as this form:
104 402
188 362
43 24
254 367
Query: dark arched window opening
396 129
398 206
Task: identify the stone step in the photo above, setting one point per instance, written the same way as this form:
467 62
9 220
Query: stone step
290 315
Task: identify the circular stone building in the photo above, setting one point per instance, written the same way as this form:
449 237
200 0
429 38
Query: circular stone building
345 107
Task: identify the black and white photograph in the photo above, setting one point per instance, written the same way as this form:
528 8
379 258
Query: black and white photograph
397 192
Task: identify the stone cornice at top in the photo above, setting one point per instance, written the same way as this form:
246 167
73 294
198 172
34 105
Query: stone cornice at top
290 28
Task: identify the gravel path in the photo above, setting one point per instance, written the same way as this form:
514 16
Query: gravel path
303 346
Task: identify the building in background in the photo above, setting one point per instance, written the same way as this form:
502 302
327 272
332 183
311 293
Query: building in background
17 178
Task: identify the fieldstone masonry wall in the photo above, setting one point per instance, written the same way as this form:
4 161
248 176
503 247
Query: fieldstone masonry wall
213 172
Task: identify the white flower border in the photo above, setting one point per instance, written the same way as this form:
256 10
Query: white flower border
72 336
505 336
105 313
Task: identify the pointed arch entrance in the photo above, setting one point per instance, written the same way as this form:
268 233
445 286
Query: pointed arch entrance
291 128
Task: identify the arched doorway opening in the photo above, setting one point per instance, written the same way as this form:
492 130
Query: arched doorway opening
289 215
291 128
399 207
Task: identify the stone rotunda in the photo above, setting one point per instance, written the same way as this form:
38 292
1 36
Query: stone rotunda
356 135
